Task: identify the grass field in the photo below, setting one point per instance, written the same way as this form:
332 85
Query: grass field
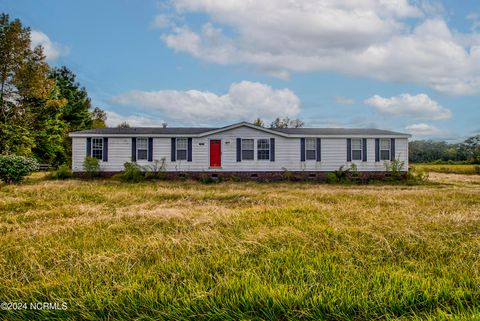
448 168
184 250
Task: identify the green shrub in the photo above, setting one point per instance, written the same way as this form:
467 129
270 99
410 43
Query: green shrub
477 169
91 166
287 175
332 178
156 170
132 173
14 168
235 178
62 172
417 176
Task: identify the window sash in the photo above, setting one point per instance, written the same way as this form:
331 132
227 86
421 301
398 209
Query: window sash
247 149
310 149
263 149
385 154
181 148
142 148
356 149
385 149
97 148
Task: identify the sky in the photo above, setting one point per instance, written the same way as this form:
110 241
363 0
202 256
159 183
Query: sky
405 65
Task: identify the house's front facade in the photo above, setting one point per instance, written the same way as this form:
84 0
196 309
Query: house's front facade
241 149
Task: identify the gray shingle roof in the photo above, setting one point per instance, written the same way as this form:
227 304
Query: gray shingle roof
147 131
200 130
337 131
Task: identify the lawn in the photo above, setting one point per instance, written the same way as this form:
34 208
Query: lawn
185 250
449 168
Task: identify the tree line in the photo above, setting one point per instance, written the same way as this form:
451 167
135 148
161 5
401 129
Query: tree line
39 104
427 151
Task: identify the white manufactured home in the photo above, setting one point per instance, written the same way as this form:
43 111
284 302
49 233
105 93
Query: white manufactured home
240 148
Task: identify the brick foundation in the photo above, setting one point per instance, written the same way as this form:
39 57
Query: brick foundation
261 176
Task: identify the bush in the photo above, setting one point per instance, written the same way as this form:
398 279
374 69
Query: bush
394 168
206 179
417 176
14 168
91 166
132 173
156 170
62 172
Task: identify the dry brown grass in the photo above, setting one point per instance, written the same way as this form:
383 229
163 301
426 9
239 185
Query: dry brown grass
177 250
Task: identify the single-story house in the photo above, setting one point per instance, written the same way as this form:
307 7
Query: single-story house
241 149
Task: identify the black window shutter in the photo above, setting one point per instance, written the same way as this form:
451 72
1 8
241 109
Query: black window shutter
302 149
364 152
392 146
239 149
349 149
105 149
150 149
189 150
319 149
377 149
89 147
272 149
173 156
134 149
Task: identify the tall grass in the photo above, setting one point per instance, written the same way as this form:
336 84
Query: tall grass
449 168
185 250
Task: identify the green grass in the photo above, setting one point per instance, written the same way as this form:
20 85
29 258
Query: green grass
448 168
185 250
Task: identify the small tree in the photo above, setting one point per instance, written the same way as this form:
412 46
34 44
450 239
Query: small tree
123 125
91 166
259 122
14 168
394 167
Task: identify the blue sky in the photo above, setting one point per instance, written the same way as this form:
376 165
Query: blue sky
410 66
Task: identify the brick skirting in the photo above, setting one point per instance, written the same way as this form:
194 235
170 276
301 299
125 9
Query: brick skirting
261 176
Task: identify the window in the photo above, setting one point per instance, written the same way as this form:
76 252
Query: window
142 148
97 148
181 149
247 149
310 149
356 149
384 149
263 149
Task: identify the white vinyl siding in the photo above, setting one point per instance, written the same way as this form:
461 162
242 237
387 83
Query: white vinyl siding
287 153
263 149
97 148
385 149
310 149
142 148
356 149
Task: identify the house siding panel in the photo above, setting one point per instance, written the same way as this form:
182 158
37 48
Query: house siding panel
287 154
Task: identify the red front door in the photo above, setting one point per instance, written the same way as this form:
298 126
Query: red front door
215 149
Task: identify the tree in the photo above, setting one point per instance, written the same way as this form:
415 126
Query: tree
123 125
259 122
76 113
28 101
99 118
286 123
472 145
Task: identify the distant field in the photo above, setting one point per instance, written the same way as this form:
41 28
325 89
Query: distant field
183 250
446 168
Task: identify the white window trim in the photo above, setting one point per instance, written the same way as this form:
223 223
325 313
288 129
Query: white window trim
101 148
138 148
267 149
315 148
361 150
389 149
253 150
177 149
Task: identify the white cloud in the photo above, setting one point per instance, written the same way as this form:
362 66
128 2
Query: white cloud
52 50
422 130
369 38
244 101
162 21
114 119
344 100
417 106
